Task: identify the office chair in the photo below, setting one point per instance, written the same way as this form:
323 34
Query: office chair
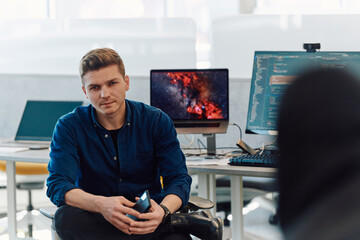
29 176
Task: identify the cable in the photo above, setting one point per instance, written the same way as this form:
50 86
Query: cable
238 128
200 142
191 141
272 142
263 147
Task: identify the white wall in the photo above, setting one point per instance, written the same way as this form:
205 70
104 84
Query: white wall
39 58
56 46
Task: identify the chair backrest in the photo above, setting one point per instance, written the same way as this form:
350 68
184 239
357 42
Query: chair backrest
23 168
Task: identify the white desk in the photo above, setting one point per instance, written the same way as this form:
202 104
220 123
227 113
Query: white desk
207 188
38 156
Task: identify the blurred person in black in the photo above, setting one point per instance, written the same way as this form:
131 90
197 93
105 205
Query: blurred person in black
319 167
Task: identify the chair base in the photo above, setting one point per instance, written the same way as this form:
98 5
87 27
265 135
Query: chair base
27 223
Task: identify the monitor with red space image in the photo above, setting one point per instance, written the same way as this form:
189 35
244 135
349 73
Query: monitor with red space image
197 100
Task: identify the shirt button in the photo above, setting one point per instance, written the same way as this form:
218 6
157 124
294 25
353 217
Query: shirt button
120 180
128 124
115 158
106 136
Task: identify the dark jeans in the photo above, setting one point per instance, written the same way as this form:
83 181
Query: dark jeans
73 223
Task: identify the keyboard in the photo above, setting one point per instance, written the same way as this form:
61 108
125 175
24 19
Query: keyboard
256 160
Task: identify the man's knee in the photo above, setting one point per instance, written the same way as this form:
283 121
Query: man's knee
64 218
76 223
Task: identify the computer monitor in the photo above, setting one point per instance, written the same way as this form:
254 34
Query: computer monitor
274 71
197 100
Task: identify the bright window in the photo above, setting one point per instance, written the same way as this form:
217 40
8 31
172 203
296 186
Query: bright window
23 9
203 12
306 6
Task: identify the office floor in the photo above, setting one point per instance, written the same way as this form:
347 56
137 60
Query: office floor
256 216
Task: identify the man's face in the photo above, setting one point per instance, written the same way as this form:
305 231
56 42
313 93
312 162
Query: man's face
106 89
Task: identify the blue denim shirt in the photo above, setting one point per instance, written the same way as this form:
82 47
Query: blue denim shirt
83 156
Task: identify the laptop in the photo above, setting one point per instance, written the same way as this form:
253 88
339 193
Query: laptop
37 123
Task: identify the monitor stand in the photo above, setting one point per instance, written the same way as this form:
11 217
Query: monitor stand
210 145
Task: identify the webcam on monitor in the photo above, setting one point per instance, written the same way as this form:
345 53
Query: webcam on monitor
311 47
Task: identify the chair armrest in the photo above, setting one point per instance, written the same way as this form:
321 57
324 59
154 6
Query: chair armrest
48 211
195 203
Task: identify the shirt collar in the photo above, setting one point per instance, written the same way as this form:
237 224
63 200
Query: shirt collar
127 112
127 115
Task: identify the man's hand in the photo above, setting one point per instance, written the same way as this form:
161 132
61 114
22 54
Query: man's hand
114 210
153 219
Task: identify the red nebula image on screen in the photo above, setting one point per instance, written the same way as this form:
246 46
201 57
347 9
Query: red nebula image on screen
195 89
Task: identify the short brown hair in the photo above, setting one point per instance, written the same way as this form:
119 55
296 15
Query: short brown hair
99 58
